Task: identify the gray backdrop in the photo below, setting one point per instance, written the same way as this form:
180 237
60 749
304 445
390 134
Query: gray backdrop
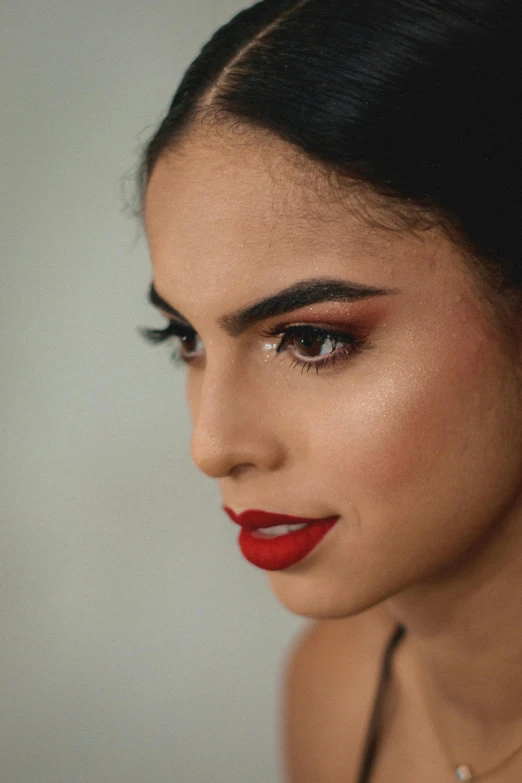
137 646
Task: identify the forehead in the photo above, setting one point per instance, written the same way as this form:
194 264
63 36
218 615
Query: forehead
245 213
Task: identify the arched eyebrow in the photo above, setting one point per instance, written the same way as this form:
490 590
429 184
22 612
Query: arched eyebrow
301 294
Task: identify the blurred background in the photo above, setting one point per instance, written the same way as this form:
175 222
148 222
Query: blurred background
137 645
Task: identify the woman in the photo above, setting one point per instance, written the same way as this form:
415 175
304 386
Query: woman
333 208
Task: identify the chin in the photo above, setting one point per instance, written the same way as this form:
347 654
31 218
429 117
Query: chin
302 597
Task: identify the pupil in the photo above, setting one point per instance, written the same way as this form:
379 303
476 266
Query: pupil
187 342
312 342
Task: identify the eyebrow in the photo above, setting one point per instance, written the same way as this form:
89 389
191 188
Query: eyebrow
301 294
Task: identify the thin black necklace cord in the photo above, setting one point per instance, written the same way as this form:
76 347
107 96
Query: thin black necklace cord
374 730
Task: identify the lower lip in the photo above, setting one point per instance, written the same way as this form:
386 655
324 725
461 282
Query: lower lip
275 554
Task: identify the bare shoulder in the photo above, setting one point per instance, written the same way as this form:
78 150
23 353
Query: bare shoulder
329 682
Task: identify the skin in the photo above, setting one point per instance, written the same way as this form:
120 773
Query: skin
416 442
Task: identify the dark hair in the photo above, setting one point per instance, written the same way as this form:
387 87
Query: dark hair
418 99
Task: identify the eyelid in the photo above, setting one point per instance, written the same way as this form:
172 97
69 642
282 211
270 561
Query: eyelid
345 330
181 327
181 324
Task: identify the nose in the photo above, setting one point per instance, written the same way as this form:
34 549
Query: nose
234 427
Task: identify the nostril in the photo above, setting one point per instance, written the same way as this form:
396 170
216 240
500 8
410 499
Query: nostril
238 470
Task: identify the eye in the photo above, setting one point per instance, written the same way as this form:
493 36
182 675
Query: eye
317 347
189 342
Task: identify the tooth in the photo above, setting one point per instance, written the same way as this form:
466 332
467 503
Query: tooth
272 532
278 530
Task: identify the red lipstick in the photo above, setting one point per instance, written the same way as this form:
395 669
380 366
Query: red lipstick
274 550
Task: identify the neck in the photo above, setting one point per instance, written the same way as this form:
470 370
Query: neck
465 633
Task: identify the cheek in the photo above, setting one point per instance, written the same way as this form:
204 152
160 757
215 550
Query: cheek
396 432
423 427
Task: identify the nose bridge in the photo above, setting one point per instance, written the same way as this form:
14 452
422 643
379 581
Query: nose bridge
230 425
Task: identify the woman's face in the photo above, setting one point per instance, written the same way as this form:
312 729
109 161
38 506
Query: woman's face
414 441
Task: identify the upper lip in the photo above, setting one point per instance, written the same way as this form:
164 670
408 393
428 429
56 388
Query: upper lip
253 519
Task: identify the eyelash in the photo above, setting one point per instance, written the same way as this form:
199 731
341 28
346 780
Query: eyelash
353 342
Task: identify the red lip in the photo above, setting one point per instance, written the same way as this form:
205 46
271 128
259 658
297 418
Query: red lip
252 519
283 551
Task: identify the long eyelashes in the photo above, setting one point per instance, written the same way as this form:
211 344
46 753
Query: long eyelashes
294 339
174 329
185 334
